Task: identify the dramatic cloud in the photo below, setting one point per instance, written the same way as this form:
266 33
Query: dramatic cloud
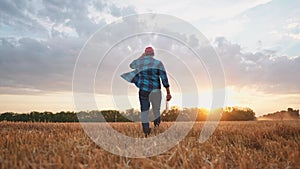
272 26
51 18
40 41
44 66
197 10
265 70
38 65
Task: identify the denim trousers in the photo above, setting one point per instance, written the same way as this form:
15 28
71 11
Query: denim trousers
146 98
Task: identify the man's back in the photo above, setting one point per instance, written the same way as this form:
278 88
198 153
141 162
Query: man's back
150 71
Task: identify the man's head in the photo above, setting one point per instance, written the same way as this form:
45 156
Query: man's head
149 51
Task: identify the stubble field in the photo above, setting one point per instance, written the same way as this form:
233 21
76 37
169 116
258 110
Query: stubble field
256 144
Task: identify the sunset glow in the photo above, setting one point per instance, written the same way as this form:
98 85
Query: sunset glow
258 50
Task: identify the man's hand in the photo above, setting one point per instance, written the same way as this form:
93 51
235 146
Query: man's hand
169 97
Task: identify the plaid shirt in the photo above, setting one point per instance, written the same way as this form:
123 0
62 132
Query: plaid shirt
147 74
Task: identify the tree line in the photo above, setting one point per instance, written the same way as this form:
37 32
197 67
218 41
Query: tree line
288 114
130 115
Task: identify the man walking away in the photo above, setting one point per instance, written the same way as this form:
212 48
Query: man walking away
149 74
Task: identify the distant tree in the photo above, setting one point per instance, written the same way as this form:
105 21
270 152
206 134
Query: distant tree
8 116
186 114
21 117
48 116
171 115
283 115
83 116
65 117
34 116
110 115
132 114
238 114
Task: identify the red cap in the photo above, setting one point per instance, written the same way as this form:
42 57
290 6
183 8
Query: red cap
149 51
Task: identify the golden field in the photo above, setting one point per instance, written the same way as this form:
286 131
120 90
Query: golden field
255 144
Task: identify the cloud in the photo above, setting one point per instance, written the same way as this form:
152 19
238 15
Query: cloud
40 41
49 36
57 18
265 70
36 66
16 15
255 28
292 28
197 9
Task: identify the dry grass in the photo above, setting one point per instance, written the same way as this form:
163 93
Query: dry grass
260 144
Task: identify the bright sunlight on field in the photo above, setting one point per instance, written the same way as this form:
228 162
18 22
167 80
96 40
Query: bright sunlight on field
256 144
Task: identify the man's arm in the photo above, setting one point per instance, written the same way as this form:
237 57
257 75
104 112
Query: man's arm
164 78
169 97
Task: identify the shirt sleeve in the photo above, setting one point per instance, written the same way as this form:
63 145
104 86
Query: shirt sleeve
163 75
134 64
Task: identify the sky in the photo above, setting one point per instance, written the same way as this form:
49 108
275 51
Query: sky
258 43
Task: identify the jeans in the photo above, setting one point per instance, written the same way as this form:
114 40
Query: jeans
146 98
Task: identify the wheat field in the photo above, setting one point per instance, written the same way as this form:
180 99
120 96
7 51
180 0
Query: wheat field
255 144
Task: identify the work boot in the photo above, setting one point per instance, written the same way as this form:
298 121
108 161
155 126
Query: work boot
147 133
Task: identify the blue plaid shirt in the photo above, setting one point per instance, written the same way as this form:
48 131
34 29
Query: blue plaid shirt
147 74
